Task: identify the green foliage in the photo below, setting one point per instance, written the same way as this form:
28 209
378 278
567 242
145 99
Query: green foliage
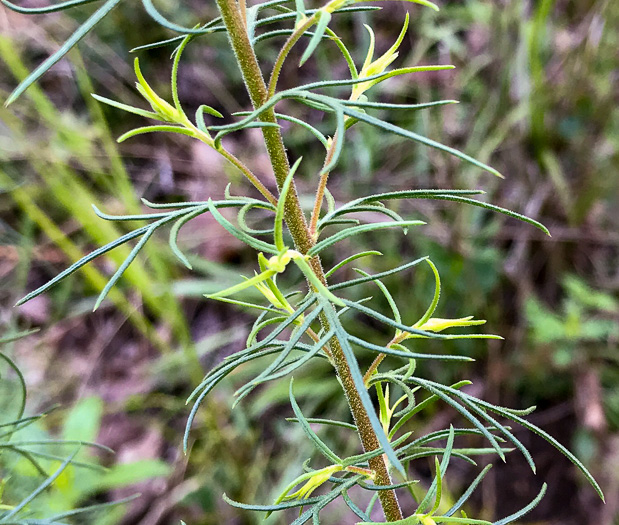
311 323
47 480
577 336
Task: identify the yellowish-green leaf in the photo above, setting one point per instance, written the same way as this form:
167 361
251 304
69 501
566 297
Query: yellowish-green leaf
436 324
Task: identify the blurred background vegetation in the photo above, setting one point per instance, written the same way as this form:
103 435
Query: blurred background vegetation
537 81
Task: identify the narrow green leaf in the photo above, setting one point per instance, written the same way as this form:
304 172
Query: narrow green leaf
425 3
84 260
390 322
22 384
126 107
315 282
26 501
321 421
247 283
290 367
362 459
16 336
536 430
386 293
517 515
278 233
241 235
355 282
436 486
174 231
152 129
350 232
421 406
295 120
47 9
386 126
307 429
265 375
161 20
121 269
313 513
353 506
80 33
174 76
435 299
360 209
246 304
214 378
120 218
454 196
462 410
324 18
357 377
202 109
272 508
406 355
385 105
349 260
468 492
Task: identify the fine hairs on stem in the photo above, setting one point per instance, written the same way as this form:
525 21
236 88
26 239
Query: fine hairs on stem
292 329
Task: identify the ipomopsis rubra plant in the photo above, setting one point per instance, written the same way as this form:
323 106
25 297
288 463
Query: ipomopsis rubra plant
295 326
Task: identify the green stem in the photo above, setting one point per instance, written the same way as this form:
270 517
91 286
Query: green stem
295 219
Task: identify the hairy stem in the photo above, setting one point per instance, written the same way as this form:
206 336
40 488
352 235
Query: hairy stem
320 192
295 219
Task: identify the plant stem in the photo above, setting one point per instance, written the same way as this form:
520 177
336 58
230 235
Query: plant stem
297 224
320 192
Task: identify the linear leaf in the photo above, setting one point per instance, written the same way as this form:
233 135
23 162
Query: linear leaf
386 293
406 355
278 229
163 21
321 421
461 409
356 230
386 126
291 366
525 510
361 459
84 260
271 508
121 269
320 444
241 235
153 129
46 9
126 107
357 377
174 231
536 430
353 506
435 298
80 33
22 504
436 486
324 18
468 492
385 105
349 260
22 384
361 280
285 352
